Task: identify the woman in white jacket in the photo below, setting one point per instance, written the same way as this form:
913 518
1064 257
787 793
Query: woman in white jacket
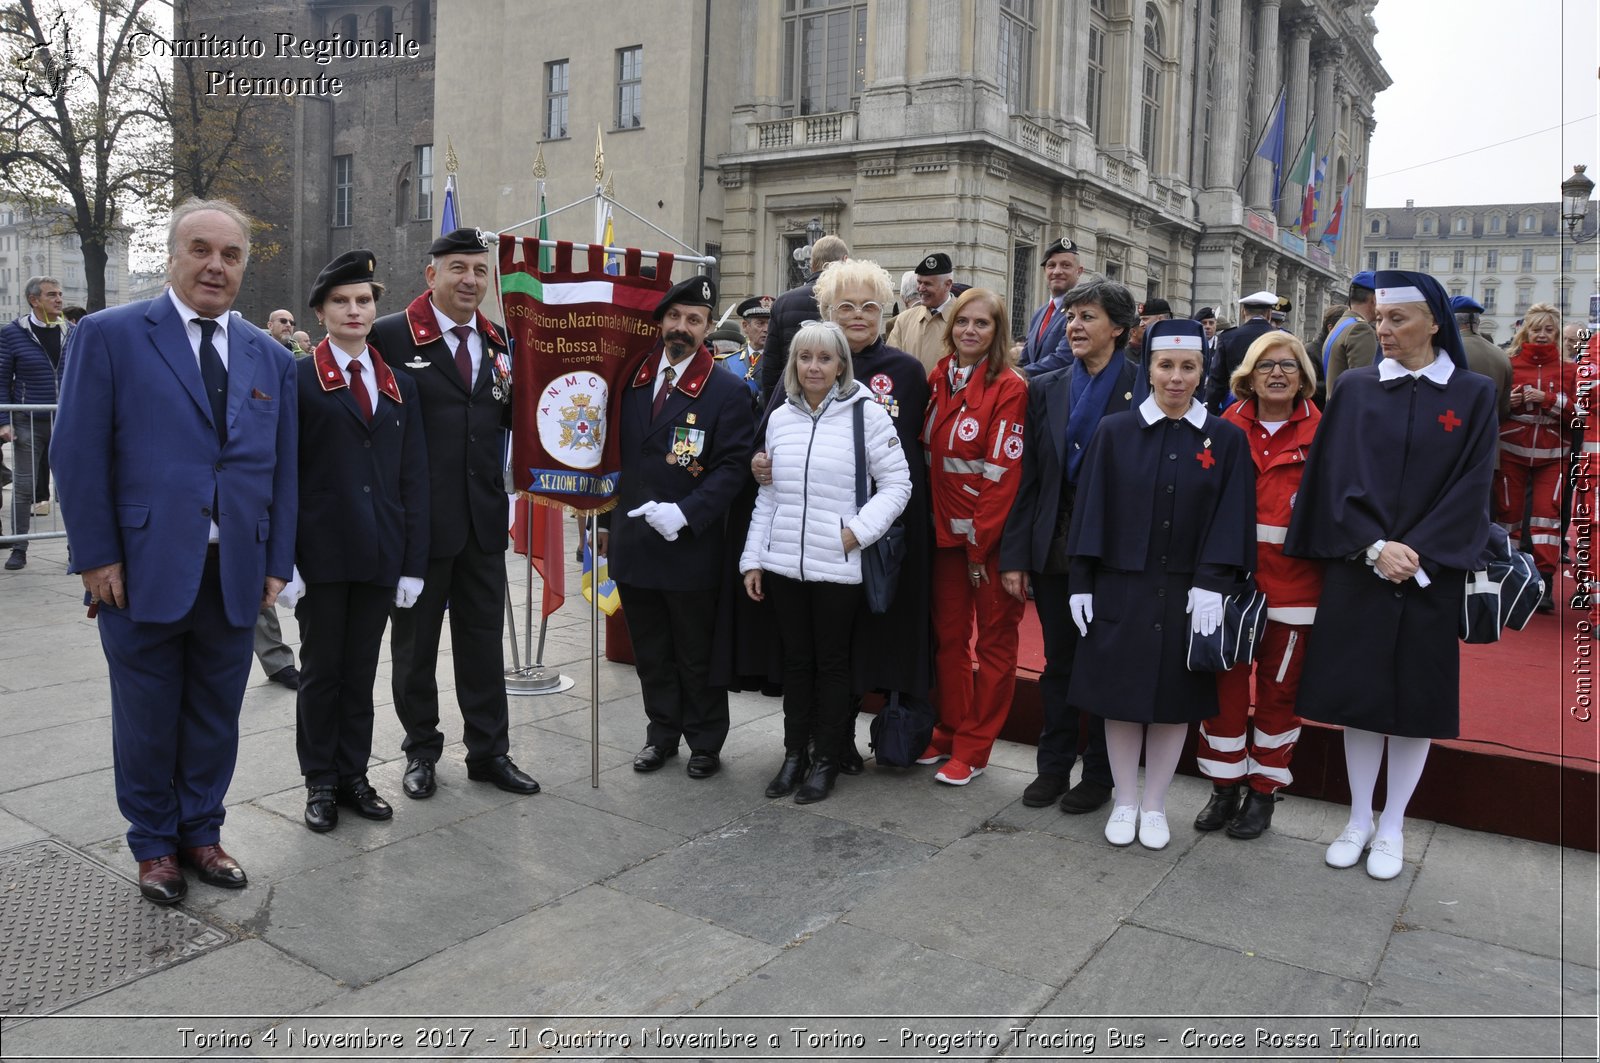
805 541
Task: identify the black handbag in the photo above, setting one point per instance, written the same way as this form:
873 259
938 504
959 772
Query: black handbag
880 560
1244 618
1501 593
902 730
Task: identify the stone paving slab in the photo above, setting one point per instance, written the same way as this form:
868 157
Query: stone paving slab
776 874
77 808
911 803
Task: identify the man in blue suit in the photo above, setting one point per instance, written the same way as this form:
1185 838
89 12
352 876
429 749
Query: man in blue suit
174 451
1048 328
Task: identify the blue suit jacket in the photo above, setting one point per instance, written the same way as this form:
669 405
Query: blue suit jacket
138 465
1036 349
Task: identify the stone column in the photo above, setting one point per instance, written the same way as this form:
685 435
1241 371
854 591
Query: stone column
886 94
1258 190
1326 117
944 38
1298 80
1219 204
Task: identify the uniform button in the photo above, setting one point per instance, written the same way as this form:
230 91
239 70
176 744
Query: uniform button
1166 524
219 466
1172 457
1397 594
367 488
472 439
1169 489
366 442
1158 627
469 404
1161 592
1163 560
205 511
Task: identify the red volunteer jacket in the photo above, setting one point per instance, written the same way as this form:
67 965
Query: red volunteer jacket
973 442
1537 436
1292 585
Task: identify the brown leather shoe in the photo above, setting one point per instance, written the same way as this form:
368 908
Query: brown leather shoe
161 881
214 866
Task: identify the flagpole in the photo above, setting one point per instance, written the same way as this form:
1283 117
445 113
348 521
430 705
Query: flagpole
592 532
1272 116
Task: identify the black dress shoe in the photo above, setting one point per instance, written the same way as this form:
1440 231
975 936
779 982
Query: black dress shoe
17 559
322 809
161 881
1044 790
287 676
850 762
790 772
819 781
418 782
504 774
703 764
358 794
1254 816
651 758
1087 796
1221 808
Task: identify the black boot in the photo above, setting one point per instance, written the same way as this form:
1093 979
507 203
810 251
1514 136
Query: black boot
818 784
1547 604
1220 809
850 762
790 772
1254 817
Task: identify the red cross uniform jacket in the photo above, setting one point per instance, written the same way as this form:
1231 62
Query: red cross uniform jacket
972 437
1292 585
1536 434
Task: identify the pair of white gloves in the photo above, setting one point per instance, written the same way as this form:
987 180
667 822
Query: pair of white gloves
1204 608
664 517
406 592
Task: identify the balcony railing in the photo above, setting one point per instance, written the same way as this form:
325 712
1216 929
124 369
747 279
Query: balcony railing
1037 139
834 127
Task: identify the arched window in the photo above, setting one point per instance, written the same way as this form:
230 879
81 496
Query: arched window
1150 88
402 195
383 23
347 28
422 20
1094 88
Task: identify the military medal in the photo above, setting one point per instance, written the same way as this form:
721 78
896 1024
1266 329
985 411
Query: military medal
418 362
687 445
496 391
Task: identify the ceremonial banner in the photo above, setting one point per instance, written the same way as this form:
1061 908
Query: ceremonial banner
575 330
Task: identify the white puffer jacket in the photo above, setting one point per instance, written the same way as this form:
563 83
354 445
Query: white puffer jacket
800 516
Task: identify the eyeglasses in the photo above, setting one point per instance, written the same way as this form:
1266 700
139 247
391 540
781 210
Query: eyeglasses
868 308
1289 366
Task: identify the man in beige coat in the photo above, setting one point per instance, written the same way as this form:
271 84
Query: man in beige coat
919 331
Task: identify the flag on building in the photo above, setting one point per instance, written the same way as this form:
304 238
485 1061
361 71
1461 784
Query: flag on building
1302 172
1313 197
610 600
1271 144
447 215
1331 234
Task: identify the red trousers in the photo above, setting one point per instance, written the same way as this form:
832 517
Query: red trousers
972 709
1544 526
1225 753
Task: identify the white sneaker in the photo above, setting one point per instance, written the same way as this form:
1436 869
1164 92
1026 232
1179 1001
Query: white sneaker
1123 825
1347 848
1384 862
1153 832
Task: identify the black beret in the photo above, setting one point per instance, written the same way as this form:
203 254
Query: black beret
691 291
1204 313
935 265
1062 245
461 242
352 267
755 306
1155 306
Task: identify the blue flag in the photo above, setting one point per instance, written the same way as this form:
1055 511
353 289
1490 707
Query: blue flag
1271 146
447 215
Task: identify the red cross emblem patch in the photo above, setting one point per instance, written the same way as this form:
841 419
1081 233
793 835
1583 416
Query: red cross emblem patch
1205 459
1449 420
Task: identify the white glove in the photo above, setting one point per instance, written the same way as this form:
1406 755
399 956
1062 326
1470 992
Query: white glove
407 591
1204 609
292 591
1082 606
666 518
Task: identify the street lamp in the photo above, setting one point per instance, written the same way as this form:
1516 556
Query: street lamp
802 255
1575 193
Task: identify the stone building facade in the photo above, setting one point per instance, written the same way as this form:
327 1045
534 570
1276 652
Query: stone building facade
45 245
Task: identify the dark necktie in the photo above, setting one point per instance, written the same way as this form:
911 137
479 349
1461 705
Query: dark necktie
661 395
464 354
358 389
1044 323
214 376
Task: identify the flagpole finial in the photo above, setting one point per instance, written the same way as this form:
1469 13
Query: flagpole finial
599 155
611 187
451 163
539 171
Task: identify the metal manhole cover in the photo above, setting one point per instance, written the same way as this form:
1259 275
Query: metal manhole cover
70 929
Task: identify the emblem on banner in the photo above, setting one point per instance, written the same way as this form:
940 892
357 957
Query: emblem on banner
572 419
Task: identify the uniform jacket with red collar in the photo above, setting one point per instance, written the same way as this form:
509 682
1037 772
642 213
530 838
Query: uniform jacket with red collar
1537 436
695 454
466 472
1292 585
973 442
363 484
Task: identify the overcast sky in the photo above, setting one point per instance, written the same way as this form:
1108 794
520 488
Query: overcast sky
1473 73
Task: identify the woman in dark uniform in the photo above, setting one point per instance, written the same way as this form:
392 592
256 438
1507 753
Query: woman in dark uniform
361 545
1163 526
1394 498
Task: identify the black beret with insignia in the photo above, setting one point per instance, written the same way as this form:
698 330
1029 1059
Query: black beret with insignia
352 267
461 242
935 265
755 306
1064 244
691 291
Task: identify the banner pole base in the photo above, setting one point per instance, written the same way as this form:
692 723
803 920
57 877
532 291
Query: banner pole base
532 680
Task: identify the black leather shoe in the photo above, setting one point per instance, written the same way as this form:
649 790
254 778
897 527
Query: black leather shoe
703 764
17 559
1254 816
287 676
161 881
850 762
322 809
504 774
1221 808
651 758
790 772
418 782
1044 790
1087 796
819 781
358 794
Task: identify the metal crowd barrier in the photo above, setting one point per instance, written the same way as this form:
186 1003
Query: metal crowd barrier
27 457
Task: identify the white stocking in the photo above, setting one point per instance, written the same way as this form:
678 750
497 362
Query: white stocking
1163 746
1406 759
1123 743
1363 754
